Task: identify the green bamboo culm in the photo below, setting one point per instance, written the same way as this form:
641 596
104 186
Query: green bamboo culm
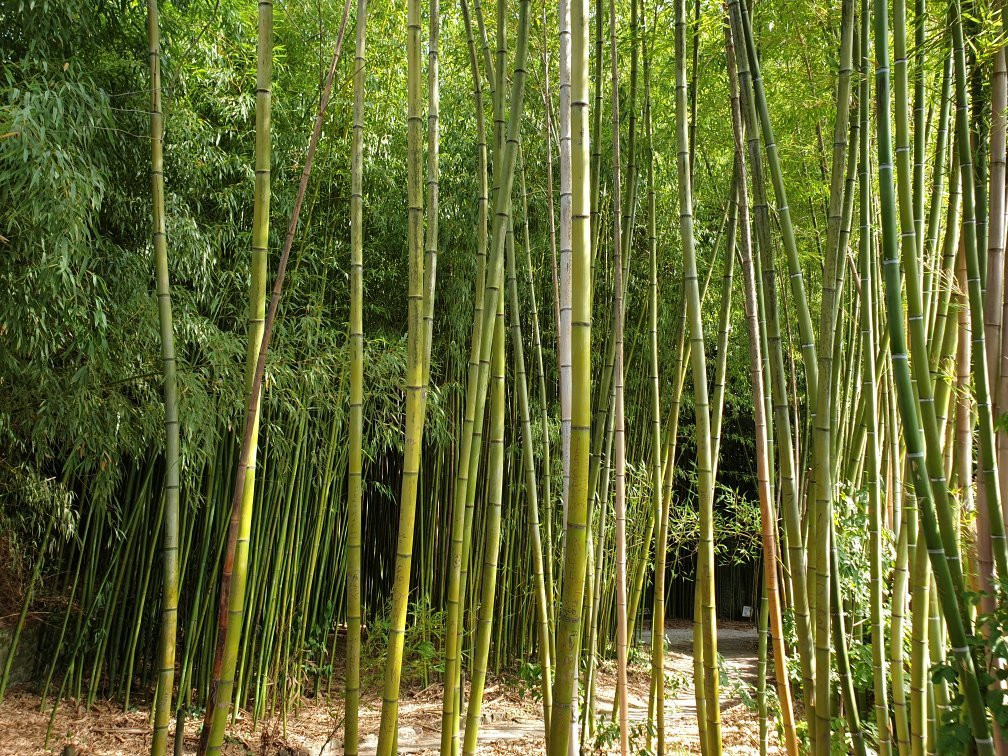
568 630
868 345
908 406
492 527
911 723
503 182
620 215
491 281
770 605
655 461
416 373
795 276
231 608
356 414
236 562
691 291
975 290
528 461
824 435
433 201
453 612
170 548
782 420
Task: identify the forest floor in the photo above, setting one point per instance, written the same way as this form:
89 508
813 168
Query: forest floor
511 715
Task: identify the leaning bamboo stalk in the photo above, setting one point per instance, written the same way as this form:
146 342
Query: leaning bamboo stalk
548 131
432 200
987 461
996 232
547 485
596 570
958 633
994 295
454 610
783 208
786 436
656 514
564 332
723 332
717 410
986 297
910 231
680 365
681 360
920 661
504 171
595 135
232 605
240 521
495 482
938 180
415 387
919 362
761 672
922 124
666 461
763 460
547 469
946 273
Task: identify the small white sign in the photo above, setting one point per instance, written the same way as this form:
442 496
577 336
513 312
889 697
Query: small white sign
746 612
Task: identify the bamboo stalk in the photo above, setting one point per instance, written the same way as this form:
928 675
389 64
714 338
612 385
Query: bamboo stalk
231 610
422 261
958 633
170 549
465 457
872 470
495 474
772 609
569 616
787 448
531 492
239 526
356 398
699 365
619 420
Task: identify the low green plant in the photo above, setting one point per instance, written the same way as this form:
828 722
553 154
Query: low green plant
607 737
530 680
421 646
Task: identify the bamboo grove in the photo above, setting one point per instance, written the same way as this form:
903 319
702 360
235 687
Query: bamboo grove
329 371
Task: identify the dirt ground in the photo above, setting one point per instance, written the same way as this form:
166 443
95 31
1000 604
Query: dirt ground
511 717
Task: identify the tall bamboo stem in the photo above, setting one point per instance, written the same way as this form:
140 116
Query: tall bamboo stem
763 459
699 365
356 419
170 549
568 631
947 592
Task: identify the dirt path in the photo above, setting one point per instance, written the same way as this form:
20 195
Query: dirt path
511 722
509 726
738 644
